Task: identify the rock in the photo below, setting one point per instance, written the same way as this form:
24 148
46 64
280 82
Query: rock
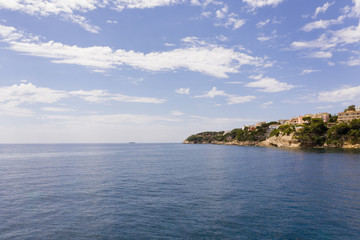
281 142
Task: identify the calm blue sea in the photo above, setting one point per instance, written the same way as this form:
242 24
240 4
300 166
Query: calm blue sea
176 191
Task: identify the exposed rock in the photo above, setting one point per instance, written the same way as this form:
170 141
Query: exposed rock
281 142
348 145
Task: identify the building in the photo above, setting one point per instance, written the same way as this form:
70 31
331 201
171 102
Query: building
324 116
283 121
260 123
295 120
271 128
348 116
298 128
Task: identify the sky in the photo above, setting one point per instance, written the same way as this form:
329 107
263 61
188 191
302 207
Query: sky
101 71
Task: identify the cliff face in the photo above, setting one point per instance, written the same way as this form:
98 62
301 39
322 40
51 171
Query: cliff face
281 142
284 137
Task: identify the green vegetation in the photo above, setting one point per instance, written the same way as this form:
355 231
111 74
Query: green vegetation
317 134
206 137
350 108
247 134
313 133
307 120
242 135
333 119
344 132
284 129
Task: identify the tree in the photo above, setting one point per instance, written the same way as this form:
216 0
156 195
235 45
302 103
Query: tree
307 120
313 134
333 118
350 108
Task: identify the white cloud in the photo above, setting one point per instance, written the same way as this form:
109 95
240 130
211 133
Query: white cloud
27 93
263 23
262 3
320 54
231 99
345 36
213 93
267 84
353 61
107 128
100 96
308 71
267 104
177 113
322 24
206 14
72 10
239 99
48 7
64 8
30 94
9 34
234 22
340 95
322 9
111 21
222 38
221 13
197 56
141 4
184 91
169 44
57 109
235 82
325 107
109 119
228 19
263 38
355 10
11 109
82 22
332 39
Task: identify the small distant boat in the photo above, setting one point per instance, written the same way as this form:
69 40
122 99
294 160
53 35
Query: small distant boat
131 142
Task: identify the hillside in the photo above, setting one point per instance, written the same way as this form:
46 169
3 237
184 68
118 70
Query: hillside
315 133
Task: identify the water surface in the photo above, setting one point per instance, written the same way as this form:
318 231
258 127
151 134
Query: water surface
175 191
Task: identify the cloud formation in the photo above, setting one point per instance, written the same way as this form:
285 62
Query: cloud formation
340 95
74 10
267 84
262 3
227 19
231 99
323 24
67 9
197 56
308 71
100 96
184 91
323 8
331 40
27 93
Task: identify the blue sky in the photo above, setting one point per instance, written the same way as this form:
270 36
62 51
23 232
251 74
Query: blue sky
160 70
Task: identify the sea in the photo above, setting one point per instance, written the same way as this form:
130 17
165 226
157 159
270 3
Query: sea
177 191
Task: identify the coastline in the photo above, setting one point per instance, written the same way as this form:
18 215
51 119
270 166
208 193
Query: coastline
286 142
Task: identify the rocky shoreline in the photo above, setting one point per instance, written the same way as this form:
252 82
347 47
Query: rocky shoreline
281 141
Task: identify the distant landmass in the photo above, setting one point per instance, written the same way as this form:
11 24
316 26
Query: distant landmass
311 130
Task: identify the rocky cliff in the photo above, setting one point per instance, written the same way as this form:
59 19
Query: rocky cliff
275 141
